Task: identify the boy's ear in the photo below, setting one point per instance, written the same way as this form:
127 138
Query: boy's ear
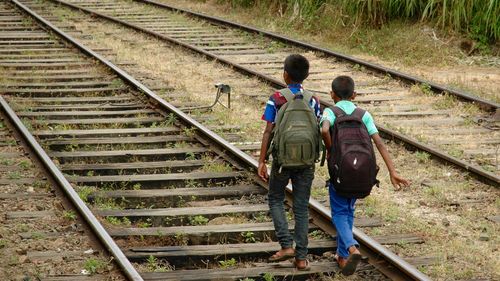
335 98
285 75
354 94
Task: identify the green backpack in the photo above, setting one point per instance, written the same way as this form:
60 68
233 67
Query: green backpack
296 138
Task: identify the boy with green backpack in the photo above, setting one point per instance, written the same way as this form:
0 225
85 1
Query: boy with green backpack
292 136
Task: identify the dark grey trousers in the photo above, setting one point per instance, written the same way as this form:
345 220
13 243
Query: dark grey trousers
301 181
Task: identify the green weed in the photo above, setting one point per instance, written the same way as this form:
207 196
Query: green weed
268 277
181 239
25 164
445 102
6 162
14 175
190 156
117 221
107 204
261 217
23 227
189 132
214 166
198 220
69 215
319 192
190 183
455 152
3 243
318 234
228 263
93 265
426 89
422 156
248 237
437 193
171 118
116 83
402 244
144 224
85 191
155 265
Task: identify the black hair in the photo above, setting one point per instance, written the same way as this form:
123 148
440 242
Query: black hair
297 67
343 87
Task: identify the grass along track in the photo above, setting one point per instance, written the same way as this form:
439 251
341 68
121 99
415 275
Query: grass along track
454 129
143 228
444 205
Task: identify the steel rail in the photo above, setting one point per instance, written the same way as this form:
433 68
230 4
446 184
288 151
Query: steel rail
407 78
474 169
399 269
129 271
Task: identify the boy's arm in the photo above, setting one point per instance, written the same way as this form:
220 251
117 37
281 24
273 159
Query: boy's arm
325 134
396 180
266 138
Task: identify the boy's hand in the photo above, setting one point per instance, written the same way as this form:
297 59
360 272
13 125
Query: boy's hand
262 171
398 182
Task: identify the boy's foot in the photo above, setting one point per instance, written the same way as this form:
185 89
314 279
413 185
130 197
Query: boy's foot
351 263
340 261
302 265
282 255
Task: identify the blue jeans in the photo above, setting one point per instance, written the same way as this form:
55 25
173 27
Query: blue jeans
301 182
343 219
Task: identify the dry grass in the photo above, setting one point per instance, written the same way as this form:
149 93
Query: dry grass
181 70
415 49
448 209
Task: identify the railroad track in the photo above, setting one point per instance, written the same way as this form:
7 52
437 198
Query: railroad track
164 186
40 229
110 141
451 127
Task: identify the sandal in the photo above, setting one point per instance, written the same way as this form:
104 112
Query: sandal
351 264
306 267
280 256
340 263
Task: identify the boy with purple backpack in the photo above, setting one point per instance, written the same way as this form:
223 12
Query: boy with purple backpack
347 132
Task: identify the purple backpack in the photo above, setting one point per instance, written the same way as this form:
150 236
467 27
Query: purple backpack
352 164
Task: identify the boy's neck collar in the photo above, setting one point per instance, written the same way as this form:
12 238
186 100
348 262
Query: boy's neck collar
294 85
344 101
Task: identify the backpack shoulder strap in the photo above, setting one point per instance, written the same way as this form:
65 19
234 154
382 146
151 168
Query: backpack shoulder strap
287 93
359 113
307 95
338 112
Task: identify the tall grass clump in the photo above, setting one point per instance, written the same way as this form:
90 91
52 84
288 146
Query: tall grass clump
480 19
301 12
